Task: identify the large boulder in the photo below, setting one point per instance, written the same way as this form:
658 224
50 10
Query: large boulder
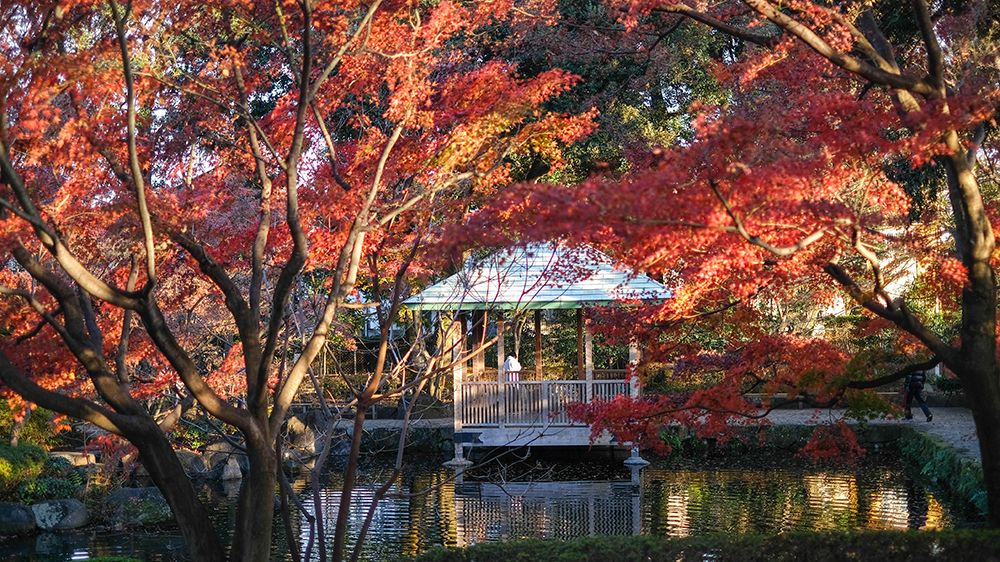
16 519
137 507
193 463
217 455
60 515
301 436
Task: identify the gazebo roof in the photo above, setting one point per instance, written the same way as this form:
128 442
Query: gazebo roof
538 276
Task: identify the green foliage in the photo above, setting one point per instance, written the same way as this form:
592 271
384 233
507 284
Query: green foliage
37 429
19 464
948 385
50 488
886 546
944 466
191 436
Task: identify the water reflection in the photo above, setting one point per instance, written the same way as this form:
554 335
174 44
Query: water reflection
428 508
682 503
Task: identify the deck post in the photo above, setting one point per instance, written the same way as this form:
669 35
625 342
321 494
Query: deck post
588 361
635 462
456 341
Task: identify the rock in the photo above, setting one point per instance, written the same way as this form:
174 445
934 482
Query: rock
232 470
192 462
75 458
217 455
137 507
194 465
58 515
301 437
16 519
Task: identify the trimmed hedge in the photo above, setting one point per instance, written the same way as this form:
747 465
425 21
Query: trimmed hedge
19 464
883 546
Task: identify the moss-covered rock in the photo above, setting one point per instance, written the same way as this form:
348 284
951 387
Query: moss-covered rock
60 515
137 507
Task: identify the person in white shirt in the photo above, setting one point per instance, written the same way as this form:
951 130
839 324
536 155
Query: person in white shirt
513 368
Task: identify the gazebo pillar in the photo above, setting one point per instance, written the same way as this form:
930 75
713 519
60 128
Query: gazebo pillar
580 374
455 341
501 348
633 363
501 373
478 339
635 462
588 360
538 344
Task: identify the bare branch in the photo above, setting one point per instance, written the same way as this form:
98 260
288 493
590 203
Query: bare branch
138 181
895 376
898 313
935 60
781 251
762 39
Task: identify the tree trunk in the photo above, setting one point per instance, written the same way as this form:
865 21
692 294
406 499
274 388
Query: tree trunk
976 361
158 456
350 474
255 511
988 431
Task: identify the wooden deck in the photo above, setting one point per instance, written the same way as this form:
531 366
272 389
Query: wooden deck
530 403
530 413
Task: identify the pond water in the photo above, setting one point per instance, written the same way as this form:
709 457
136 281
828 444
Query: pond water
532 497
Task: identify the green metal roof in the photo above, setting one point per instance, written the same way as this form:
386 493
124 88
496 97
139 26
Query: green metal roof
539 276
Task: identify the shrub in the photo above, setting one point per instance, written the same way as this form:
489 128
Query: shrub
49 488
19 464
37 430
884 546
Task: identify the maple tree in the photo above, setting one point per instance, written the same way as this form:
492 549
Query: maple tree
850 140
170 170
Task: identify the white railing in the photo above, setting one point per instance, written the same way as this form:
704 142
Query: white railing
530 403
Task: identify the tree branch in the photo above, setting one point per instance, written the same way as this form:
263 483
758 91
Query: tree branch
780 251
138 181
935 60
51 400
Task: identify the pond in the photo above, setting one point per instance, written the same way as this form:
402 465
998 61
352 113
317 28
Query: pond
544 498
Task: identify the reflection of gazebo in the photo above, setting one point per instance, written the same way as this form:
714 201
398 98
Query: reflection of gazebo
507 412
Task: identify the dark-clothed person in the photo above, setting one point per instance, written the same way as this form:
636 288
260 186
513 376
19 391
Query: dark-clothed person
913 388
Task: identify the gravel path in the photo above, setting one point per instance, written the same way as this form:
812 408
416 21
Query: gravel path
952 425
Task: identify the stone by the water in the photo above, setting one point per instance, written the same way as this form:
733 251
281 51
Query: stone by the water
60 515
16 519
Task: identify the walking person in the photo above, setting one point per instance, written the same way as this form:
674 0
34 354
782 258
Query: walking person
913 387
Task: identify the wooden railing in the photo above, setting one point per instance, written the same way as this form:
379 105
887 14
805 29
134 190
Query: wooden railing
489 374
530 403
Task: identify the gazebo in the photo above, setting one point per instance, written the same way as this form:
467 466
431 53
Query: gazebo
511 411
